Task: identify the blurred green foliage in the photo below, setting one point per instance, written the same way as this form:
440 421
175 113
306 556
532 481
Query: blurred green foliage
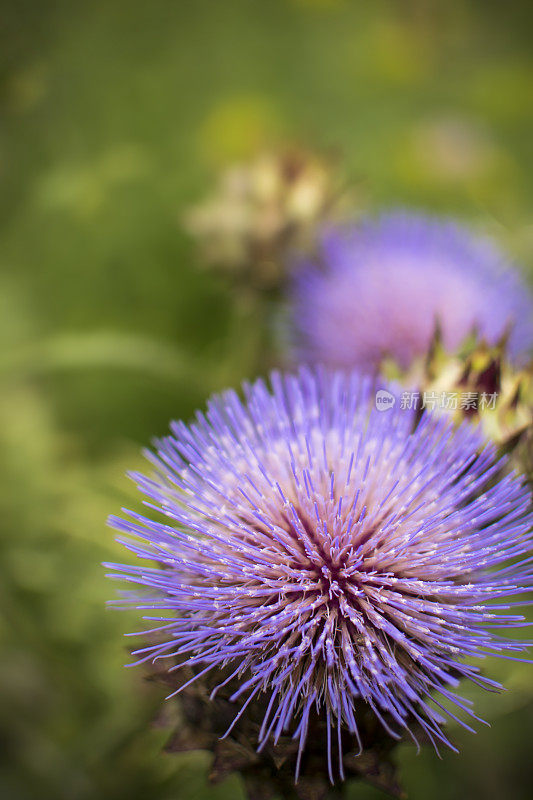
115 115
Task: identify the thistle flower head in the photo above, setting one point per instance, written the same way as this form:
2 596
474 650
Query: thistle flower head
263 208
380 288
329 559
478 382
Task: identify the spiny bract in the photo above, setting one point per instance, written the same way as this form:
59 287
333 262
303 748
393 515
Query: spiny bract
379 287
326 553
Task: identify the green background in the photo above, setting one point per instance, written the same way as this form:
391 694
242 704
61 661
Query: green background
116 114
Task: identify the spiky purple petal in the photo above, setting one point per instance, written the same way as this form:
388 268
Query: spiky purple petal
379 288
328 553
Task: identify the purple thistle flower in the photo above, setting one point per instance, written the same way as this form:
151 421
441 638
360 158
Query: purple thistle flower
380 287
328 555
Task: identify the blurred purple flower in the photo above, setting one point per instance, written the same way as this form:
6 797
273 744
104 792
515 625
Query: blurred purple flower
380 287
328 555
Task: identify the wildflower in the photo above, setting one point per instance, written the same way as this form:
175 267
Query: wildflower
262 209
380 288
477 382
335 565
